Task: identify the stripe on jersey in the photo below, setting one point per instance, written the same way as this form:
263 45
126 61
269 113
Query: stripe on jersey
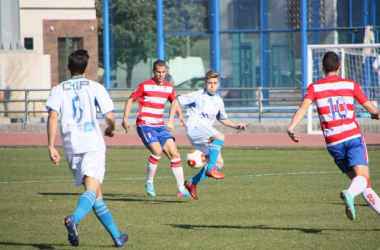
325 101
152 110
333 86
157 100
157 88
337 130
151 120
328 117
343 140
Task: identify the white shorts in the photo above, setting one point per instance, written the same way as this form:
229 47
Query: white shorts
92 164
199 136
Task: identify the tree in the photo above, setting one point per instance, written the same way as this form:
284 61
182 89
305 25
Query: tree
133 29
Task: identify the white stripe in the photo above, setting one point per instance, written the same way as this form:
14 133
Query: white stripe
324 102
150 120
152 111
339 129
343 140
152 99
157 88
333 86
328 117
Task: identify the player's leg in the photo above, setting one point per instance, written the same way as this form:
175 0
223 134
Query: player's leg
104 215
149 136
217 141
171 151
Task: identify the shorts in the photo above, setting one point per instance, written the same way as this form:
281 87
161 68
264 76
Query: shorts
349 154
92 164
149 134
199 136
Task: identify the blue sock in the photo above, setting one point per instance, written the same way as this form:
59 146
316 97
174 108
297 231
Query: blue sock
215 148
105 217
201 176
85 203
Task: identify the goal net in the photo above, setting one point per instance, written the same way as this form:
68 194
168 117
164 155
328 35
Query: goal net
356 63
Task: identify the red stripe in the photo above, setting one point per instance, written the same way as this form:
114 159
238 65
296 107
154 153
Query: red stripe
153 160
176 164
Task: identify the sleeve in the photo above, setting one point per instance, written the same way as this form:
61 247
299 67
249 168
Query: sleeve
172 96
188 99
359 94
222 115
138 92
54 101
310 94
103 100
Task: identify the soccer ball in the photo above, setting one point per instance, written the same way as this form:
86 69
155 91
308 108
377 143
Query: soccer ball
196 159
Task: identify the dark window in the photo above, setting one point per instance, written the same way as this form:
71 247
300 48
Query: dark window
65 47
28 43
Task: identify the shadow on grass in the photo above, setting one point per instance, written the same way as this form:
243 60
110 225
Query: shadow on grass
263 227
342 204
39 246
134 198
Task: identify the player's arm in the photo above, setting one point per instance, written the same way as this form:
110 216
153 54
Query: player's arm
110 121
52 125
229 123
127 111
175 109
372 109
298 116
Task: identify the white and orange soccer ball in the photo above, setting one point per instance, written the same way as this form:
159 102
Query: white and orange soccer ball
196 159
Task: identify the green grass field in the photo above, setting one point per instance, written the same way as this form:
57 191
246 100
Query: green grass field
271 199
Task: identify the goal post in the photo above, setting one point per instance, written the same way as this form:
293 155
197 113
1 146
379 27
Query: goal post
356 64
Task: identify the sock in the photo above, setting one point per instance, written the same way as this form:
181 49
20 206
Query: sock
201 176
371 198
357 186
85 203
177 172
104 215
215 148
152 167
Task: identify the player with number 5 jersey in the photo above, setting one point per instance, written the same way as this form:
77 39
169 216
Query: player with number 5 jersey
334 97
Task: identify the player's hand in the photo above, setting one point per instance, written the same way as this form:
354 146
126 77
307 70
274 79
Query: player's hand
182 120
126 125
294 136
240 126
170 126
109 132
54 155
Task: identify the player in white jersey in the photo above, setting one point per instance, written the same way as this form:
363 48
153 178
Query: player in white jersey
203 108
75 101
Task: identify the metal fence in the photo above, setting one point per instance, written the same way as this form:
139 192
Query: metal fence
28 105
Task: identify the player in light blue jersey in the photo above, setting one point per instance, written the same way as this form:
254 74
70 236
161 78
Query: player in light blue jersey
75 102
203 108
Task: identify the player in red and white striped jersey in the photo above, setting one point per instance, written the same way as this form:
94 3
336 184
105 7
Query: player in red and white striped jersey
334 97
152 95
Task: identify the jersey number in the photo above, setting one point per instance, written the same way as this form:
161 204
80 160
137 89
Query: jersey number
339 101
77 110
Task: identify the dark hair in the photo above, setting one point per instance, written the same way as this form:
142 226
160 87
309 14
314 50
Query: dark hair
212 74
331 62
78 61
159 63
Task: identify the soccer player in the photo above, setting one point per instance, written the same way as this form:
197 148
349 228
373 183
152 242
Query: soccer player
334 97
203 108
152 95
75 101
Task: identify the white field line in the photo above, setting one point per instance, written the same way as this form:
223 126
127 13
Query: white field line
165 177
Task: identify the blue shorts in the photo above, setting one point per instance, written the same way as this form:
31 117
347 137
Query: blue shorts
349 154
149 134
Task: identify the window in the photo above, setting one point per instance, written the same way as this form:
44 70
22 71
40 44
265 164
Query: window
28 43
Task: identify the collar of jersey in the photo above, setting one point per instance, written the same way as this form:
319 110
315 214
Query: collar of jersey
205 92
75 78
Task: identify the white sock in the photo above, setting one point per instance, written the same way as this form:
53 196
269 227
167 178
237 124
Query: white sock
372 199
177 172
152 167
357 186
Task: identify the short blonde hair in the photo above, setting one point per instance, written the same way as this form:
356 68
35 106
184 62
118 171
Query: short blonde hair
212 74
